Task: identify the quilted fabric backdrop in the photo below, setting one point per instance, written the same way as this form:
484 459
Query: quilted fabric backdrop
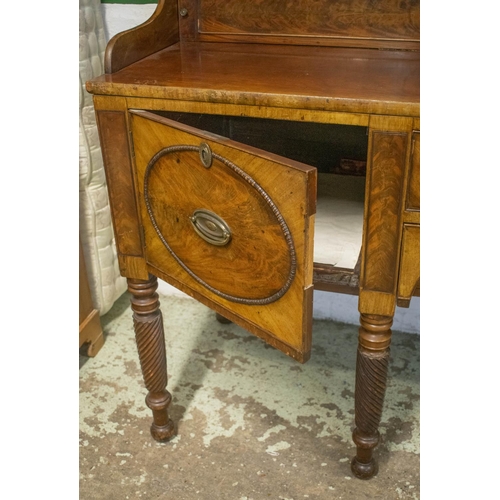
96 230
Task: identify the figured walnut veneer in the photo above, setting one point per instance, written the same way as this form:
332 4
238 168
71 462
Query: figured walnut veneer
258 264
391 23
353 80
388 152
413 194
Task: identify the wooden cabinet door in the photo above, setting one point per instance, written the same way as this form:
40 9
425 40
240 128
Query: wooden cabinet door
230 225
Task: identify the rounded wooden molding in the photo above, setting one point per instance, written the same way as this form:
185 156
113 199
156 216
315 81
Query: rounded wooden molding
268 202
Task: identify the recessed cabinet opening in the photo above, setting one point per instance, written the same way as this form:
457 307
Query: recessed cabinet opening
339 153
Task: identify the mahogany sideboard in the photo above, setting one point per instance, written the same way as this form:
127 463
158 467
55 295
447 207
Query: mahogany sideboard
220 122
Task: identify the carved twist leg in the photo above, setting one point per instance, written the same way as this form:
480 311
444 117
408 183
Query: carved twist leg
371 380
148 326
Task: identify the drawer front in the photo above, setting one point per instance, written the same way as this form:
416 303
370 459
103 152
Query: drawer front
413 192
230 225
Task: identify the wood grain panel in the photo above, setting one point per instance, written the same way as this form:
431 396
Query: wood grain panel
113 134
290 114
409 270
413 193
385 19
188 20
256 263
134 267
381 244
289 184
320 78
158 32
348 23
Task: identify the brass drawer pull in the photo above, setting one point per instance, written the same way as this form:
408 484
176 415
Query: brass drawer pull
210 227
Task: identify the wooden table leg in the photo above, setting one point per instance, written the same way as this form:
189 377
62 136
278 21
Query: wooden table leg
148 326
371 381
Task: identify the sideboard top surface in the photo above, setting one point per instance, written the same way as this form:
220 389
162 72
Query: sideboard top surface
355 80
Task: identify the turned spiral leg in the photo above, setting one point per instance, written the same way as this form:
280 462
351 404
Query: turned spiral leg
371 381
148 327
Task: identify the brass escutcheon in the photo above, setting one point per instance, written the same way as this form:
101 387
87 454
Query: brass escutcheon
205 154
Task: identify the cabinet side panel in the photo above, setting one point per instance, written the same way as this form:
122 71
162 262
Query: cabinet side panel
386 169
115 149
409 275
157 33
413 195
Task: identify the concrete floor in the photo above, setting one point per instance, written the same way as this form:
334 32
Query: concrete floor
253 424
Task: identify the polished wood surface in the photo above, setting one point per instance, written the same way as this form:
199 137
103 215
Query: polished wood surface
112 120
256 263
150 339
155 34
388 164
387 161
409 272
221 108
325 78
413 191
392 23
371 382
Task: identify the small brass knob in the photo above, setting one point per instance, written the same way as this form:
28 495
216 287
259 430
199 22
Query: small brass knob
183 12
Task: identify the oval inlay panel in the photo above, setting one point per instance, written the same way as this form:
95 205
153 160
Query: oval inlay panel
258 264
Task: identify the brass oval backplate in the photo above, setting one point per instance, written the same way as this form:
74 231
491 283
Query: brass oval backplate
212 228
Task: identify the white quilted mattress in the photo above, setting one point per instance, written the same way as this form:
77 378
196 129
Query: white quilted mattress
96 231
338 228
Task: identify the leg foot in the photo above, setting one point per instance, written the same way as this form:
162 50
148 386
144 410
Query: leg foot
162 428
164 433
222 319
95 346
364 471
371 380
363 465
148 327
